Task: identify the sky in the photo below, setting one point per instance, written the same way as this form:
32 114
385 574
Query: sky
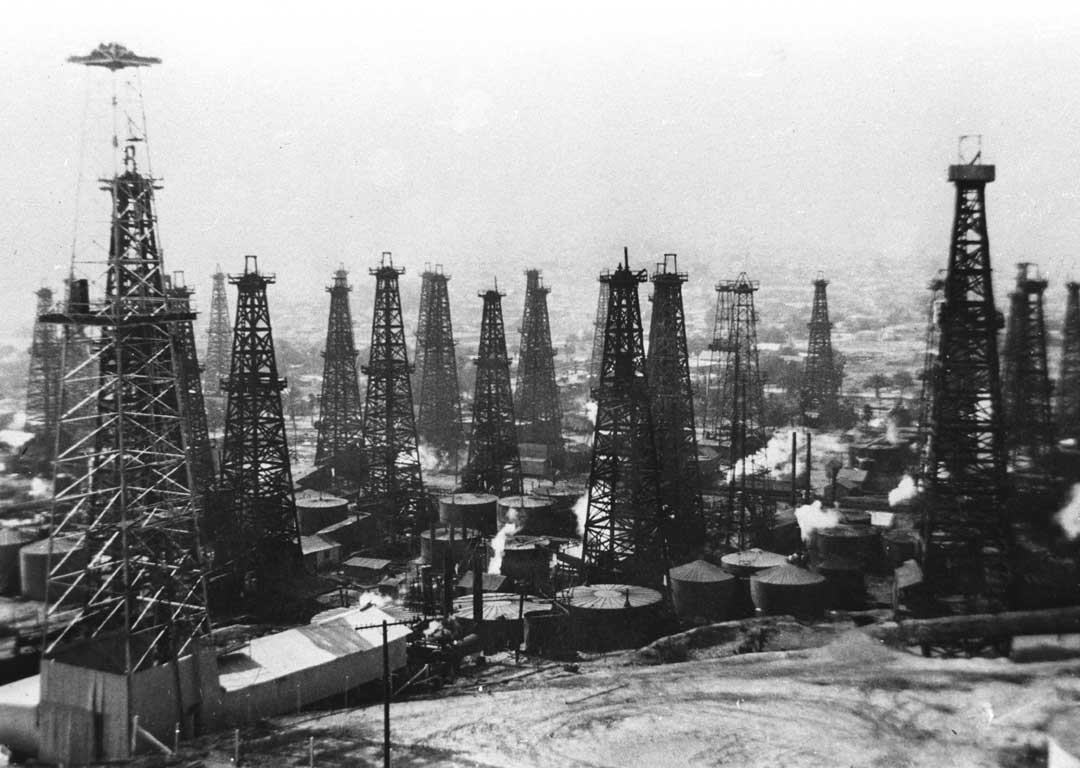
490 137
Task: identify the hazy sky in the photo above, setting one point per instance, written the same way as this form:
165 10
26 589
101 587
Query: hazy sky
490 136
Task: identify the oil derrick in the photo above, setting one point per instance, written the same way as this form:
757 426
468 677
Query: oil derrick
599 329
257 534
821 383
189 385
43 384
393 484
494 465
737 398
1068 388
668 373
427 277
218 344
1026 380
965 524
624 530
539 418
439 424
125 581
341 412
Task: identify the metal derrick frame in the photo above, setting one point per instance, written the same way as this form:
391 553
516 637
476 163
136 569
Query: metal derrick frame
820 405
539 415
738 397
1026 379
218 347
668 373
123 509
439 423
189 384
1068 389
624 530
341 412
599 329
394 479
43 377
965 521
494 465
259 535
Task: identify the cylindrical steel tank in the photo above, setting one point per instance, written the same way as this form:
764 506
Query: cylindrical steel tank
857 544
606 617
750 561
522 559
34 567
11 541
845 585
472 510
563 522
434 552
317 512
788 590
899 546
532 516
547 632
702 591
500 625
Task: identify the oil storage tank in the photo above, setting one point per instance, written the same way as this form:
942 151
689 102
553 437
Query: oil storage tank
469 510
742 565
845 584
606 617
789 590
900 545
11 541
858 544
435 549
524 558
317 511
563 498
702 591
34 562
531 515
501 624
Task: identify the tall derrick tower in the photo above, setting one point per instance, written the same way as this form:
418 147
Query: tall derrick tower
494 465
258 536
427 277
965 524
599 329
218 344
819 403
341 412
539 417
43 381
1068 388
668 373
125 591
394 483
439 424
737 410
189 383
1028 420
624 530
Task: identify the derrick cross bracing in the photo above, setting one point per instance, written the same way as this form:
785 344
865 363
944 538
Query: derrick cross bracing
536 397
737 407
218 346
668 372
125 578
965 523
624 531
1068 389
189 382
439 423
256 532
427 277
820 405
599 327
341 411
394 484
1026 379
494 465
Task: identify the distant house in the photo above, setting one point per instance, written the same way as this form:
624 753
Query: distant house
320 553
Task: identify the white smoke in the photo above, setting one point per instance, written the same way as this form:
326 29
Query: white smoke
892 434
812 517
498 544
40 488
905 491
1068 517
776 455
370 598
581 511
590 411
432 460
